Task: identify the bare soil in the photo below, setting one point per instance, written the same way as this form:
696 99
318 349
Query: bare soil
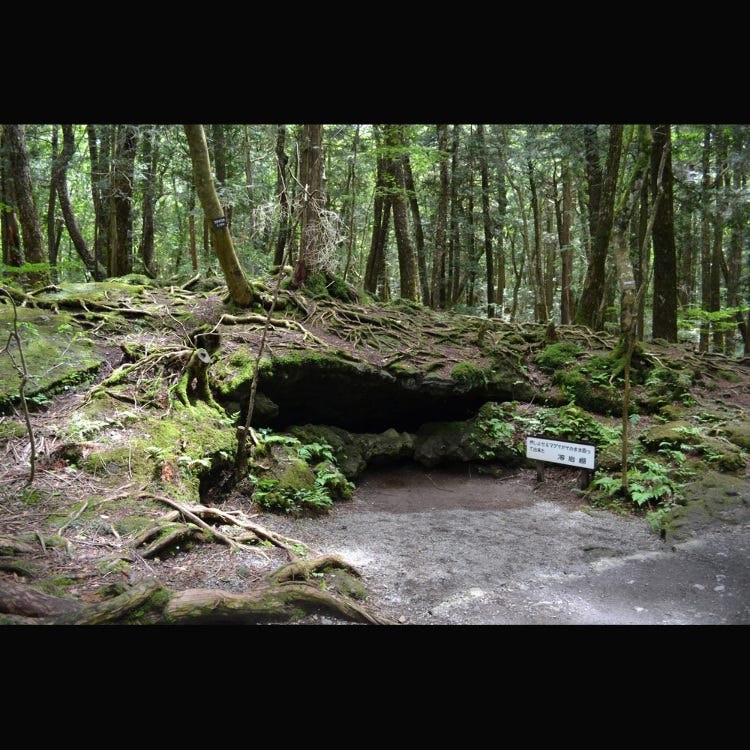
453 547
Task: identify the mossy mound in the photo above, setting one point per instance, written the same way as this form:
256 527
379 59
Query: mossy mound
56 352
713 497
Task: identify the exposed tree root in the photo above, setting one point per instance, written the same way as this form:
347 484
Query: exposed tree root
197 514
149 602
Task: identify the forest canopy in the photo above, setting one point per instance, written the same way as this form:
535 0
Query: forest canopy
622 227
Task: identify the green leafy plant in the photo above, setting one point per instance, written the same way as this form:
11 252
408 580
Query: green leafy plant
651 488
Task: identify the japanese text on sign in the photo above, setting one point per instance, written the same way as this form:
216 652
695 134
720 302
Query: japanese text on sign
577 455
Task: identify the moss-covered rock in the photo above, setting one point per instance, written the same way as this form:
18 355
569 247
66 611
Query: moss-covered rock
737 433
57 354
670 434
714 496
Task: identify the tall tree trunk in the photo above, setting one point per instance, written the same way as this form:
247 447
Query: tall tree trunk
703 343
406 261
541 313
122 181
738 213
312 255
438 295
454 245
218 133
381 217
589 305
351 191
664 321
502 208
642 272
97 270
717 252
11 235
99 139
624 266
564 212
54 228
31 229
239 288
191 230
518 267
149 190
250 186
487 221
411 191
282 191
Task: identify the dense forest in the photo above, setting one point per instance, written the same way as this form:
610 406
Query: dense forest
637 228
210 324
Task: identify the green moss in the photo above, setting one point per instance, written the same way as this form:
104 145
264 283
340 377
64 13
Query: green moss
557 356
57 353
12 429
468 376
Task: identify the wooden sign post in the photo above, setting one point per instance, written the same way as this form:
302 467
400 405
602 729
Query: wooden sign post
580 456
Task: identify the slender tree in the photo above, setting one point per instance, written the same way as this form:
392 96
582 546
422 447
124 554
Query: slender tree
382 198
721 181
60 179
282 182
312 256
54 225
150 145
31 229
664 321
564 212
487 222
123 175
438 290
705 236
99 140
394 141
601 210
351 191
411 191
541 312
502 210
240 290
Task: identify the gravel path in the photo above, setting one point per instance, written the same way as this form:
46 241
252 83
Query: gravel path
448 547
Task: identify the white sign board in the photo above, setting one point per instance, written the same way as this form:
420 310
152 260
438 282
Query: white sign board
576 455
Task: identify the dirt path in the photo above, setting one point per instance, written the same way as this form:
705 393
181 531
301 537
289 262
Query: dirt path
450 547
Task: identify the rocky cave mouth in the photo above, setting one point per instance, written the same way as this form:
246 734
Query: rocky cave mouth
368 404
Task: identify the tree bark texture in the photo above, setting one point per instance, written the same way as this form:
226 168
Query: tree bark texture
149 190
97 271
381 216
123 174
487 222
438 291
31 229
282 179
99 139
601 213
239 288
664 321
312 255
397 186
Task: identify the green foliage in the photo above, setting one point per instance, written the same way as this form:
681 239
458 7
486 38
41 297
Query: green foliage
573 423
329 483
651 487
670 384
468 376
554 357
271 495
